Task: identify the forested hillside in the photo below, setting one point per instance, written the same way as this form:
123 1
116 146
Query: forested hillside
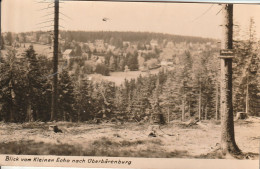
118 37
189 89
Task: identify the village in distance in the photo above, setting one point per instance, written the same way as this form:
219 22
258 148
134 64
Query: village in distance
124 94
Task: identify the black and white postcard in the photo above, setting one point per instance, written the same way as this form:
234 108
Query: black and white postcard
129 84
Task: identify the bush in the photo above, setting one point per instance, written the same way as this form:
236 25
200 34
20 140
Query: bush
102 69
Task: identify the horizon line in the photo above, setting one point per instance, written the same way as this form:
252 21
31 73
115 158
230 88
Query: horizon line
193 36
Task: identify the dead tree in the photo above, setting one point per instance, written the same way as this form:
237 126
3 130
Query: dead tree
55 61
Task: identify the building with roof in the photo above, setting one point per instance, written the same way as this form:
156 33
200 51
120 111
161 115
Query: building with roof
67 54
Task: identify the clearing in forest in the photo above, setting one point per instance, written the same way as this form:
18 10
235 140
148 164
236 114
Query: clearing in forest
174 140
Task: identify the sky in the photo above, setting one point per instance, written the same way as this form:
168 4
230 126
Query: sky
193 19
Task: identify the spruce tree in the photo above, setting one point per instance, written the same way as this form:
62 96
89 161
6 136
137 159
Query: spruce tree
66 98
34 84
7 93
246 72
85 105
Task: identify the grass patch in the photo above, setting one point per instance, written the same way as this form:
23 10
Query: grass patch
70 124
215 122
130 140
106 142
102 147
243 122
212 155
34 125
39 148
185 126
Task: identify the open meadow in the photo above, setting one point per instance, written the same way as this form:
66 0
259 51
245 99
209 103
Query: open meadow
175 140
119 77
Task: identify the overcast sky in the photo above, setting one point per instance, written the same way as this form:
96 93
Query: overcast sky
174 18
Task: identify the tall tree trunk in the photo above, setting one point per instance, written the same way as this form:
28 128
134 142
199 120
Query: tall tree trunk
29 110
168 111
12 113
206 112
189 109
200 103
64 116
183 110
247 96
216 116
79 116
37 116
228 144
12 102
55 62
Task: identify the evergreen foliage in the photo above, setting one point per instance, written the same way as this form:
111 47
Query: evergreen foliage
189 90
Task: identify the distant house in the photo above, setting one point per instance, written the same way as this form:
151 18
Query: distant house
30 38
99 42
154 43
131 49
67 54
111 48
165 63
126 43
21 38
62 42
45 39
170 45
100 46
100 60
91 46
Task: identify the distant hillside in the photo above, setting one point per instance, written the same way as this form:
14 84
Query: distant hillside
144 37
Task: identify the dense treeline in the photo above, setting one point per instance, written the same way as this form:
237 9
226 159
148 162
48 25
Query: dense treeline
116 38
112 63
112 37
26 94
25 90
246 78
190 90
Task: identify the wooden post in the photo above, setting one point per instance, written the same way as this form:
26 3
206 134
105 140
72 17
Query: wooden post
228 144
55 61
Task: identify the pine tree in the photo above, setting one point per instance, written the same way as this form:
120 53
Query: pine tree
104 97
132 61
183 77
34 84
2 43
66 99
170 97
7 94
112 63
85 104
246 72
156 105
78 50
13 83
9 38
